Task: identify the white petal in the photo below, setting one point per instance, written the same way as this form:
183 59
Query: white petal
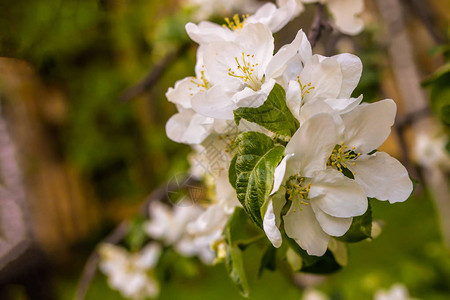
215 103
149 256
279 173
250 98
368 125
383 177
303 227
257 39
337 195
188 127
183 91
276 18
324 75
345 105
278 63
208 32
345 13
332 225
294 98
270 225
351 68
313 143
313 108
219 57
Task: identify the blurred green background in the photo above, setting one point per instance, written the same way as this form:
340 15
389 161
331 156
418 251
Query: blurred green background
90 159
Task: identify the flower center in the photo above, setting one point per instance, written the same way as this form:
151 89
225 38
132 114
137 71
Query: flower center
298 190
246 71
235 22
304 89
201 82
341 156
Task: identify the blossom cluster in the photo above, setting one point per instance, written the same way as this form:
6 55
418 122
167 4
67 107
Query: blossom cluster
329 166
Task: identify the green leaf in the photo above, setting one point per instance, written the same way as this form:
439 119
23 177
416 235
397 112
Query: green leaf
238 230
232 172
257 156
273 115
360 229
236 271
136 235
269 259
315 264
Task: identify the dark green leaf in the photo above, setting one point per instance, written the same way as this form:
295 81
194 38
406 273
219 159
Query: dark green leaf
315 264
360 229
269 259
256 159
239 229
232 172
273 115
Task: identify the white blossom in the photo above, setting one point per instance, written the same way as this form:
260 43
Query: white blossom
323 200
429 150
275 18
131 273
396 292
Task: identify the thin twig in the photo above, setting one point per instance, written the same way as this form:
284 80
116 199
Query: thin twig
319 23
155 74
119 233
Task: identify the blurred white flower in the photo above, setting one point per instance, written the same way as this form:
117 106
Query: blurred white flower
169 224
312 294
345 14
131 273
396 292
429 151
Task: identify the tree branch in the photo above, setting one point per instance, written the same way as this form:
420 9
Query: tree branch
155 74
319 23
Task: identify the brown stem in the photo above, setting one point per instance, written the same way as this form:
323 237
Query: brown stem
319 23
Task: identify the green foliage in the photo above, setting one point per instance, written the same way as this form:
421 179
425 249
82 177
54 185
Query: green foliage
360 229
239 232
136 235
314 264
256 159
273 115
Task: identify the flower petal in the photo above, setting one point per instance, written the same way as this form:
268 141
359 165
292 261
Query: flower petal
367 126
279 173
332 225
215 103
250 98
271 220
278 63
325 76
313 143
351 68
303 227
337 195
188 127
382 177
207 32
344 105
